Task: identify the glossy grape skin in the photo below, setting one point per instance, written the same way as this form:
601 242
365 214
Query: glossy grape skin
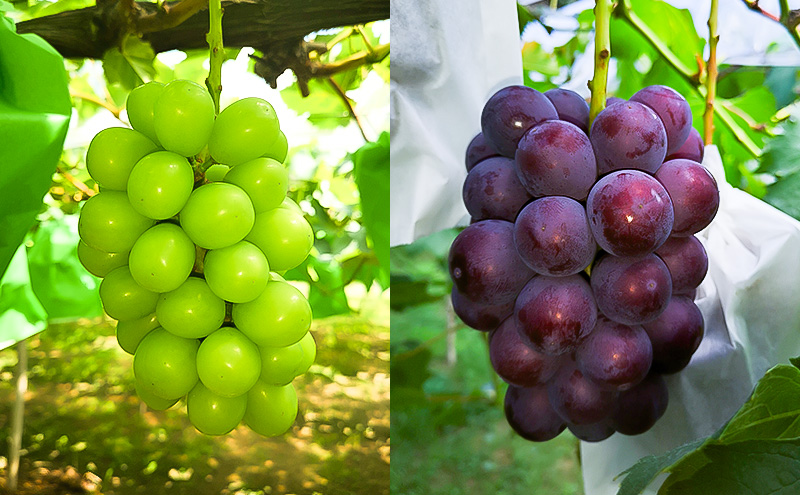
692 149
577 399
477 151
228 363
615 356
278 317
271 410
165 364
284 236
570 106
555 158
99 263
213 414
613 100
279 149
131 332
675 335
152 401
483 317
192 310
162 258
596 432
217 215
140 104
484 264
555 314
492 190
673 110
514 361
630 213
631 291
112 154
124 299
279 365
309 353
509 114
160 184
628 135
243 131
217 172
109 223
237 273
265 180
638 409
530 414
183 117
693 192
553 237
687 262
289 204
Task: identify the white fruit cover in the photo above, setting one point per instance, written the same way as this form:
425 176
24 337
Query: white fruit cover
447 61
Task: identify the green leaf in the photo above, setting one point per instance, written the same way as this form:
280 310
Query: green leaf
524 17
795 361
327 296
371 166
674 27
641 474
537 59
128 67
783 195
323 105
754 467
21 314
781 152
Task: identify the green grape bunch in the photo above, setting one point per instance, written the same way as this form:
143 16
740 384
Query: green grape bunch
191 232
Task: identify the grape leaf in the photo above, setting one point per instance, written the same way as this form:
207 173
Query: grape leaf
641 474
371 165
781 152
21 313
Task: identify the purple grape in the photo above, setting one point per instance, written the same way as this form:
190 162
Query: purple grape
576 399
530 414
570 107
631 291
692 148
555 314
687 262
638 409
675 335
493 190
615 356
477 151
628 135
509 114
694 195
613 100
553 236
595 432
672 109
630 213
555 158
517 363
484 264
480 316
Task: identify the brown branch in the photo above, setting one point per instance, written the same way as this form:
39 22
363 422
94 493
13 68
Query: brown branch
788 18
363 58
349 105
169 16
753 5
79 185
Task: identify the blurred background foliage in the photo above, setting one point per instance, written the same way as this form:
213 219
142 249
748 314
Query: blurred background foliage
85 429
448 426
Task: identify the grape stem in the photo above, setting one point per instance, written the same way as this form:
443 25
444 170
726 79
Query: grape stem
339 91
602 54
217 52
711 76
789 18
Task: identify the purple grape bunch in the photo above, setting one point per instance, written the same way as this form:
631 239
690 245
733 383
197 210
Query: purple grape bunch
581 259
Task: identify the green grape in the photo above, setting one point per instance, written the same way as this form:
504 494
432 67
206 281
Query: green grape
236 273
279 365
152 401
276 276
166 365
271 409
109 223
217 215
309 353
278 149
183 117
131 332
162 258
160 184
265 180
112 154
228 363
216 172
213 414
192 310
289 204
284 236
140 108
99 263
124 299
279 317
243 131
